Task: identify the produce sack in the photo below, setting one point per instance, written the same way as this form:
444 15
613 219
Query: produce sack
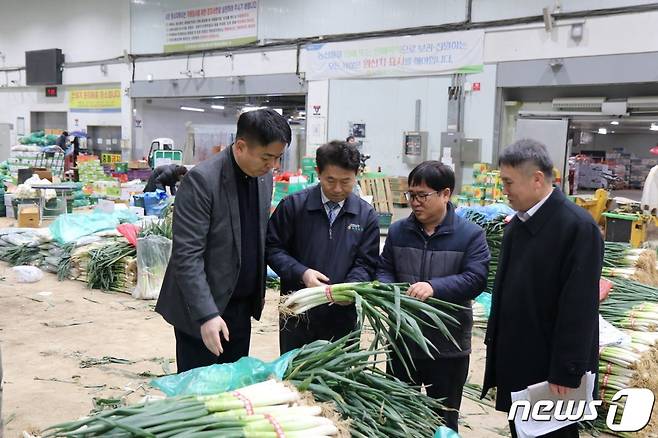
152 258
215 379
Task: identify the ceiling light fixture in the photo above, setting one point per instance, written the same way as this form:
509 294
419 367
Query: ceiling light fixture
614 122
654 127
189 108
603 131
217 107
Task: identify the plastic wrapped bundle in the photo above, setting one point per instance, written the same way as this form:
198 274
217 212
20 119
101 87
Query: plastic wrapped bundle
152 258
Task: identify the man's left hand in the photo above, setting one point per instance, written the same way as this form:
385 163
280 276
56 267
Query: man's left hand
559 389
421 290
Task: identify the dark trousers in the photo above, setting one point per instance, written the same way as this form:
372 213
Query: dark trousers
295 332
443 378
191 352
570 431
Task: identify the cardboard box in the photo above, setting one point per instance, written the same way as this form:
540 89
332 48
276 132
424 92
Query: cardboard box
43 173
138 164
28 216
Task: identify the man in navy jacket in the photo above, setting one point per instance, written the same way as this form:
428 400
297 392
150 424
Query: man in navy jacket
442 256
323 235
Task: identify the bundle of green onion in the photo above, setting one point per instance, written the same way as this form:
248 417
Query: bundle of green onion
106 266
622 261
631 305
618 254
263 410
393 315
22 255
374 403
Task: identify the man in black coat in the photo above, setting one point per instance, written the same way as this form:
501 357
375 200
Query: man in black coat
165 176
323 235
544 316
215 281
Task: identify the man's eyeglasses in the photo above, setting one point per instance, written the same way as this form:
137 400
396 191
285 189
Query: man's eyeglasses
420 197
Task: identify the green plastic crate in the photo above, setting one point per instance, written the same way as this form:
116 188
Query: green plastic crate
384 219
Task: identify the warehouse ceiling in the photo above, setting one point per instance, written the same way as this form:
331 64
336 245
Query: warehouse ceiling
290 105
627 125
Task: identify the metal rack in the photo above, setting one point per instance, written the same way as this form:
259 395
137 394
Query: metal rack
50 160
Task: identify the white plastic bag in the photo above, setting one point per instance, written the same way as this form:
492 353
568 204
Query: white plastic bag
27 274
152 259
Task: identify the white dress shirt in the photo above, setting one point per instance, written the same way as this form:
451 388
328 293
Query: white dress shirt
325 200
525 215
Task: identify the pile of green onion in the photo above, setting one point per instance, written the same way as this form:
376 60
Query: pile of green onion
265 410
374 403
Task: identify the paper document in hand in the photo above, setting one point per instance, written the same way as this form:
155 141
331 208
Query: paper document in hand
537 411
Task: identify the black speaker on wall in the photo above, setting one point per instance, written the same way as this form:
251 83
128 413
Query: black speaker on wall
44 67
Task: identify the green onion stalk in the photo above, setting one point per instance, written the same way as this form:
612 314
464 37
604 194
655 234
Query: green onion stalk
161 227
394 316
64 267
374 403
494 230
263 410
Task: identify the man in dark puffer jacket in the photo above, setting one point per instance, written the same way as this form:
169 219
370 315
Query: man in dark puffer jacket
443 256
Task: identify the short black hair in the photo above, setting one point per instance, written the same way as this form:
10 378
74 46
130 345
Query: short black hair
527 151
350 137
263 126
338 153
433 173
181 170
65 133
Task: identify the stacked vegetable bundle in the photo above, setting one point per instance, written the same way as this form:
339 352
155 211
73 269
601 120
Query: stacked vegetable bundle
106 265
622 261
374 403
264 410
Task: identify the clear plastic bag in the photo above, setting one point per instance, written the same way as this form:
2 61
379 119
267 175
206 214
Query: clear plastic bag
27 274
152 259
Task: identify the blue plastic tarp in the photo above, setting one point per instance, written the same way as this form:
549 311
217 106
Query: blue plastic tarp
70 227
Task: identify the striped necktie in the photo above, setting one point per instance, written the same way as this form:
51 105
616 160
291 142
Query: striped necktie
332 210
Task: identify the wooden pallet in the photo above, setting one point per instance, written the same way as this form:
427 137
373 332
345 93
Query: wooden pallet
380 190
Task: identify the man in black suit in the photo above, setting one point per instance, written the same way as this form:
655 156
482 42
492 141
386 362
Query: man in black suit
544 317
215 281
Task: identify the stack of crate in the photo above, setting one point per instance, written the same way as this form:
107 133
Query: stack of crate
308 169
398 187
382 200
